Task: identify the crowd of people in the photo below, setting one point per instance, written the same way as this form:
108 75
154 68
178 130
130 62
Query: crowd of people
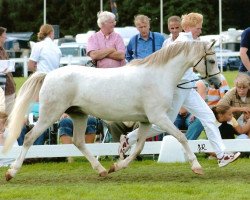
209 106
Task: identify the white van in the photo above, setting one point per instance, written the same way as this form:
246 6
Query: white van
73 53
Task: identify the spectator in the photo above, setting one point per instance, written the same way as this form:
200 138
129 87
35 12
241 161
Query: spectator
3 117
239 96
139 46
106 47
144 43
174 27
65 131
191 100
216 90
29 123
6 78
244 51
45 55
228 125
3 130
117 129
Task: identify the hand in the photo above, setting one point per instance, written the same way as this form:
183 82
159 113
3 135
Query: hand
64 115
192 118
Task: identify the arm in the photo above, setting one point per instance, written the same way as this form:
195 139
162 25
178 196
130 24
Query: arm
244 58
32 65
245 129
102 53
241 109
117 55
129 52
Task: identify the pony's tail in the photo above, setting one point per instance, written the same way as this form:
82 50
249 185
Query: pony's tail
29 92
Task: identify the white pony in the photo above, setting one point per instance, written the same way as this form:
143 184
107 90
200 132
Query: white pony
141 91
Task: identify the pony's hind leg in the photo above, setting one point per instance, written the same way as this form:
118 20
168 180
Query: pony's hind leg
143 128
80 124
29 139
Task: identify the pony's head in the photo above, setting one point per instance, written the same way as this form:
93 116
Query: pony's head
206 65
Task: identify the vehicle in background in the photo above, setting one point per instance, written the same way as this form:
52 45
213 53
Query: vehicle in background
229 60
73 53
126 33
65 39
82 38
229 63
17 47
230 39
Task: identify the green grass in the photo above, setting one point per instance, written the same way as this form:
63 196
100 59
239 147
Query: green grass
141 180
230 76
19 81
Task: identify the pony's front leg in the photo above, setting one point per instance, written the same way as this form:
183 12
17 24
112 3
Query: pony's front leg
165 124
143 128
80 123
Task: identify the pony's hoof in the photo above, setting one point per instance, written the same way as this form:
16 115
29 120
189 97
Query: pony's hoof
112 169
8 176
103 174
198 171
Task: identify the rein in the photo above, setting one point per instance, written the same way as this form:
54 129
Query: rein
201 78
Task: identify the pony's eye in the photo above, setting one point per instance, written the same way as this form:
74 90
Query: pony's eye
211 61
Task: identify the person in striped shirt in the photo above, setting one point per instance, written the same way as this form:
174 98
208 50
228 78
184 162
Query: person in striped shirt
216 91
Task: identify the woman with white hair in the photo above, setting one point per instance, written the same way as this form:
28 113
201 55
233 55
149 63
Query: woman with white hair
106 47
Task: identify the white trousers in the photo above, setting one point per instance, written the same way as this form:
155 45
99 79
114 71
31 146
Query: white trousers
192 101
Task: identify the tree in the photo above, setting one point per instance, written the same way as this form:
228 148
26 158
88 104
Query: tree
77 16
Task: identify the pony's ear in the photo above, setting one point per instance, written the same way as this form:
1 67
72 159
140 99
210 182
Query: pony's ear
211 44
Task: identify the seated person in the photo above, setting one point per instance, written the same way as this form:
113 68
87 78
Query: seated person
65 129
192 125
238 98
117 129
216 90
30 122
227 124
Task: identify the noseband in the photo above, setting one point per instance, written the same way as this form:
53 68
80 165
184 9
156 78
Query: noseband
207 75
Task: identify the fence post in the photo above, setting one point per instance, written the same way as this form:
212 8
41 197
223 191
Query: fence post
25 67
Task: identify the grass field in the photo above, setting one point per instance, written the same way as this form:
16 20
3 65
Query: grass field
141 180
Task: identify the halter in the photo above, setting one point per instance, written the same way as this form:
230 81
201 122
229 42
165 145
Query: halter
207 75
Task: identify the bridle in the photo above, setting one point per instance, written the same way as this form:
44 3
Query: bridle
201 78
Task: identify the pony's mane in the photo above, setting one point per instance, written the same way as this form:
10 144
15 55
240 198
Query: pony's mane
163 55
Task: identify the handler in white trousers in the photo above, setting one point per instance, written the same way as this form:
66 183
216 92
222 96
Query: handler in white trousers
189 99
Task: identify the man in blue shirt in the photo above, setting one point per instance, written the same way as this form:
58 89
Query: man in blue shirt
145 43
245 51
